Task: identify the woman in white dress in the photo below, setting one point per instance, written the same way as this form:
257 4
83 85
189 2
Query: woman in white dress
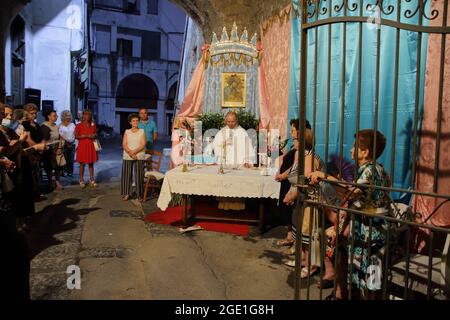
133 160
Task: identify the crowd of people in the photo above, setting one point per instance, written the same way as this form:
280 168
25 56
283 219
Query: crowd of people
27 149
30 151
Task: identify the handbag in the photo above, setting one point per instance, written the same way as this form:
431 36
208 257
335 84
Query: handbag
315 241
6 183
97 145
60 160
314 236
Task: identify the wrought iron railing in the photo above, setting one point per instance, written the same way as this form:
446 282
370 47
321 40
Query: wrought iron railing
398 258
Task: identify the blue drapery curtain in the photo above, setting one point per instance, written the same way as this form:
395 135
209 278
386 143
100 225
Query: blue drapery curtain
406 85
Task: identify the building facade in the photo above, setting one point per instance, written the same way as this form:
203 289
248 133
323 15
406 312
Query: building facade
192 52
136 50
44 53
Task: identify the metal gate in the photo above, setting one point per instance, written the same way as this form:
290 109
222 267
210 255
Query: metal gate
398 262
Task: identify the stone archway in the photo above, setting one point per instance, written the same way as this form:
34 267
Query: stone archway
135 91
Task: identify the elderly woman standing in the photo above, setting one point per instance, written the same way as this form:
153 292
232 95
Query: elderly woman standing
86 133
51 158
67 133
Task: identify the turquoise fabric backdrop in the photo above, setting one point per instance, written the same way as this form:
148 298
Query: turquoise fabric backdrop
406 91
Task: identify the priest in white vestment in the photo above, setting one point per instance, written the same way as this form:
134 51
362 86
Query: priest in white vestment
233 147
236 143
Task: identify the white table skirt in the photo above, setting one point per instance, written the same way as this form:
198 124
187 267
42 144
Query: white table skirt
205 181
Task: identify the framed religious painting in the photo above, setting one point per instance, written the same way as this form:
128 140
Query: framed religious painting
234 90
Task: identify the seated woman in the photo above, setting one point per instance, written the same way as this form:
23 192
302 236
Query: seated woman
286 164
312 163
366 265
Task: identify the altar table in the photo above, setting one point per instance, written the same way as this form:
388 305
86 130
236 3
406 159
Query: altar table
203 180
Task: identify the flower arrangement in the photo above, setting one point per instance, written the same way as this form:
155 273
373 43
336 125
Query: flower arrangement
216 120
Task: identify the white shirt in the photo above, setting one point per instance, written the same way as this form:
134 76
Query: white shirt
237 144
67 132
134 140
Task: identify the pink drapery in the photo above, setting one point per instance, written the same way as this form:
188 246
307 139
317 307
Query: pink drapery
274 71
264 104
425 171
195 94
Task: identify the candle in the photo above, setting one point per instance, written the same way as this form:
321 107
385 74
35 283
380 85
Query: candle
235 150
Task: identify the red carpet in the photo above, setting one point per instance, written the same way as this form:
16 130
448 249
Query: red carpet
172 216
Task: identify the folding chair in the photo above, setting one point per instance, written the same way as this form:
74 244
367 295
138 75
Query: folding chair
153 174
418 273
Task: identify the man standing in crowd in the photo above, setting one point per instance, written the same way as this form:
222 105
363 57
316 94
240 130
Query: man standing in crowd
149 126
35 137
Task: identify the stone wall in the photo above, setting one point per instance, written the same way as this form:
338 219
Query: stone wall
213 15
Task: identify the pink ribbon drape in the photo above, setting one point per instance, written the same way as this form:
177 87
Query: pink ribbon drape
275 71
425 171
264 103
194 99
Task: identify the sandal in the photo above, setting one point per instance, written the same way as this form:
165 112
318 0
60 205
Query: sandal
289 251
304 273
126 198
82 185
290 263
92 184
285 242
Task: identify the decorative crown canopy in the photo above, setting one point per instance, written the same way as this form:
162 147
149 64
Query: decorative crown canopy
234 44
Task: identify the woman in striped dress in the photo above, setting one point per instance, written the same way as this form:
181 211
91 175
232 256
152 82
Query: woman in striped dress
313 162
133 160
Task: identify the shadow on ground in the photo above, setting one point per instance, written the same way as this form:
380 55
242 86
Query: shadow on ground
52 220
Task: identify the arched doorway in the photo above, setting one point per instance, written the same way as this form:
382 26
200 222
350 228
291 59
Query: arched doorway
133 92
170 106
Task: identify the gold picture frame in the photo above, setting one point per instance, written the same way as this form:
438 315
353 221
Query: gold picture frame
234 89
